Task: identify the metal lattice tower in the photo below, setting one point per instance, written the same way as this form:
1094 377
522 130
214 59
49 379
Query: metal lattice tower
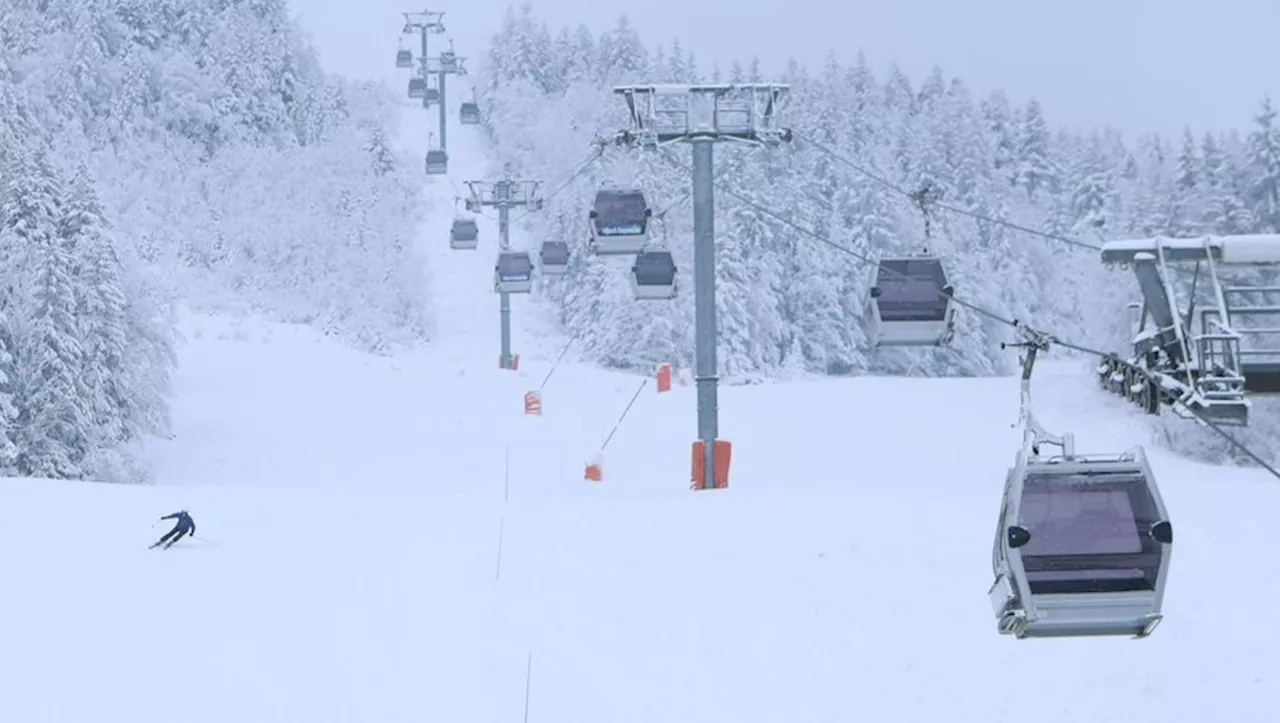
445 64
704 115
504 195
425 23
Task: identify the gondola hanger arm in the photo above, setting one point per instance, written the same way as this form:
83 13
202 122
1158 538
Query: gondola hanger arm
1033 435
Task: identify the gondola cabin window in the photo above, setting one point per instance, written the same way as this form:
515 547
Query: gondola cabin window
1089 535
911 290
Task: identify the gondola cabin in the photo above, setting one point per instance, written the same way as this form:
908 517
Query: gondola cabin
437 162
464 235
653 276
513 274
404 59
553 258
469 114
431 95
910 303
619 222
417 86
1082 548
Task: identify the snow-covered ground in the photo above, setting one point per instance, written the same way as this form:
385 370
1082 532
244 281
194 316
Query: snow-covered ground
389 540
392 539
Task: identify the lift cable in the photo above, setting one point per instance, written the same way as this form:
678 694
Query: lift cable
661 216
954 209
634 397
1015 323
580 169
556 363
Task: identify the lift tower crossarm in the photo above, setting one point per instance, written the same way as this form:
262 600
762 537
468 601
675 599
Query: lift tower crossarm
1261 249
423 21
662 114
504 195
703 115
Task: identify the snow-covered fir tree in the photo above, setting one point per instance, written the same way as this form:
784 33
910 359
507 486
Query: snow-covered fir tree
54 418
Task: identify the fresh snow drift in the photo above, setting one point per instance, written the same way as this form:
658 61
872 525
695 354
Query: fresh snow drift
846 567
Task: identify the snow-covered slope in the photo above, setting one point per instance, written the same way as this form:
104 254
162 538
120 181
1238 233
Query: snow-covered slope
383 562
392 540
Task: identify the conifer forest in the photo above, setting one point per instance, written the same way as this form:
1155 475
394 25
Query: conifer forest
165 156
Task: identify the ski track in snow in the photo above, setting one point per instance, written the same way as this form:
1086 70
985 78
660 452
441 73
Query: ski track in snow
388 539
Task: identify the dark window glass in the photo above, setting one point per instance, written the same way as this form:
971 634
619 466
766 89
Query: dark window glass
911 290
1089 533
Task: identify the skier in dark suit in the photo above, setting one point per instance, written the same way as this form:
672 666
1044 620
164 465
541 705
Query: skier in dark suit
184 526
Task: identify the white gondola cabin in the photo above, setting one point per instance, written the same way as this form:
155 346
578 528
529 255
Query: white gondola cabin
553 258
404 59
431 95
910 303
417 86
513 274
437 162
619 222
1082 548
469 113
653 276
464 235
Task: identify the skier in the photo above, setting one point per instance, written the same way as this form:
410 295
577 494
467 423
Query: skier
184 526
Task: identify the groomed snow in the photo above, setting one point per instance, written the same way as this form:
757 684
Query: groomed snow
353 574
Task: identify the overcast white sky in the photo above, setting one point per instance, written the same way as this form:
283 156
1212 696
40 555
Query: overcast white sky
1136 65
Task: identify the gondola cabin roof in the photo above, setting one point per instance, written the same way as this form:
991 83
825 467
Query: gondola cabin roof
515 262
465 228
911 269
1259 249
632 196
